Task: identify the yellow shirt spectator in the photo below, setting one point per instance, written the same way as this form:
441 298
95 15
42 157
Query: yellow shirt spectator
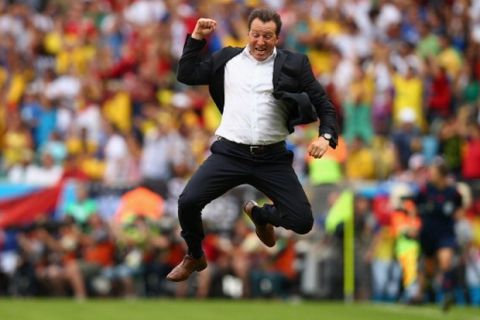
384 244
75 145
53 42
17 142
360 163
118 110
362 89
320 59
76 57
16 89
408 94
451 60
93 167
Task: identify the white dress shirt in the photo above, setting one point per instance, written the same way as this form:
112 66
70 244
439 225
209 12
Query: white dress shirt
251 115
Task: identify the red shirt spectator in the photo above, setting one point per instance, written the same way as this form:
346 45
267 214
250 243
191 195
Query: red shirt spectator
471 157
440 93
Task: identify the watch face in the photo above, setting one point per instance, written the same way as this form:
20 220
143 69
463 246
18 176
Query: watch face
327 136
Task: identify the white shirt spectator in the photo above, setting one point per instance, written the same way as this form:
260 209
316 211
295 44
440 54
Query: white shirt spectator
342 77
65 118
178 29
381 75
116 160
12 26
353 46
63 87
90 118
389 15
159 152
16 174
144 12
43 176
43 22
359 12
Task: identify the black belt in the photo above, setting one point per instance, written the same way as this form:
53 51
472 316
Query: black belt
257 148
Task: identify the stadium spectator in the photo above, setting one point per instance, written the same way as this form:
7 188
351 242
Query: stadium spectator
82 206
360 163
357 108
439 205
406 138
471 156
406 226
450 142
17 141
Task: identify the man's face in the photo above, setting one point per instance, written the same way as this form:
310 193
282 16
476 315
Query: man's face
262 39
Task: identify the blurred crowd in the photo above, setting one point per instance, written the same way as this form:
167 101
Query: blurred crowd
89 101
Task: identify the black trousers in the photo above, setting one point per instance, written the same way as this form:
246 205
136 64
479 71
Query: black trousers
231 164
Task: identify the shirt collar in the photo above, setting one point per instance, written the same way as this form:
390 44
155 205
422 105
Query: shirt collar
246 52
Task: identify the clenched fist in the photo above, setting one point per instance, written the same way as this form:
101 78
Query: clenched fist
318 147
203 28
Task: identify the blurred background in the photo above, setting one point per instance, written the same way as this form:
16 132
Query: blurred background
98 139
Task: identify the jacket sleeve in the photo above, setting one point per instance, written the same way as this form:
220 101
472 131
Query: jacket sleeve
192 69
324 108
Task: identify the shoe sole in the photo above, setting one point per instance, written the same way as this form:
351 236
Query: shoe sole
268 244
197 269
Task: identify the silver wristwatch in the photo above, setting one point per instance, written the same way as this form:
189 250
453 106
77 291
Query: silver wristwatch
326 136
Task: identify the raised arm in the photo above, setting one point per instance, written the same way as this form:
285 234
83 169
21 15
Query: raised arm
192 70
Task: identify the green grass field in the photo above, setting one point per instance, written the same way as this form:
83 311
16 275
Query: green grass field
52 309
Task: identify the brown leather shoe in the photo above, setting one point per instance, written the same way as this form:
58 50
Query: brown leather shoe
264 232
186 268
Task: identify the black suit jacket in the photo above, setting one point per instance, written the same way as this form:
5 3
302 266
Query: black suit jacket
293 82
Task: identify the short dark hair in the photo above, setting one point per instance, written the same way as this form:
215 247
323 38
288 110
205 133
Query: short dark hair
265 15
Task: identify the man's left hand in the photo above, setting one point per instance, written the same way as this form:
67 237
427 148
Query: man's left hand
318 147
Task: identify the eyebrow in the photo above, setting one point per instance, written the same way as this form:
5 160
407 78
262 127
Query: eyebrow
264 32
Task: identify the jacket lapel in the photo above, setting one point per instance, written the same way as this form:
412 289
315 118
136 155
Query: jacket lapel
224 57
277 66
